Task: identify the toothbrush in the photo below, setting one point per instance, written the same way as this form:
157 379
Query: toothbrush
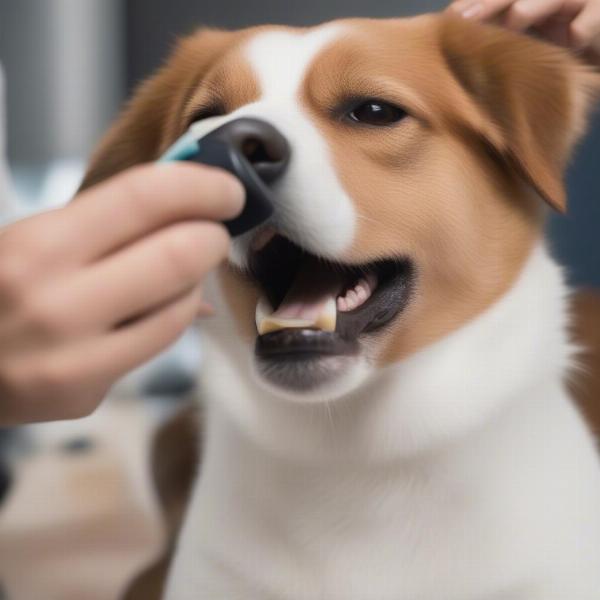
212 151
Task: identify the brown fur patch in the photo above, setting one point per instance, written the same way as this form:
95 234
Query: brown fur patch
447 186
162 106
230 84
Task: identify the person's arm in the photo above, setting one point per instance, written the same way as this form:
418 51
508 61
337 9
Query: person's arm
94 289
571 23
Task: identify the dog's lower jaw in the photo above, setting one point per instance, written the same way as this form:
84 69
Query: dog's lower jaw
462 473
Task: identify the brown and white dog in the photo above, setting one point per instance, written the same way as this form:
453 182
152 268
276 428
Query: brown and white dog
401 429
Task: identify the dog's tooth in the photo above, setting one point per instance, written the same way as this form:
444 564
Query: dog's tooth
361 292
352 298
270 324
267 321
326 321
342 305
371 281
263 311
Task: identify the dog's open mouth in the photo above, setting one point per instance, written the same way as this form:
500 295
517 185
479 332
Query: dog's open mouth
312 308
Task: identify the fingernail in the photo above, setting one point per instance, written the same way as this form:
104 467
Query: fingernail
472 10
458 6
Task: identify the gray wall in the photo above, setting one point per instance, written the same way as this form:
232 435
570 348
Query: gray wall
153 25
64 72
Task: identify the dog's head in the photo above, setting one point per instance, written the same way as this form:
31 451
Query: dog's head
409 160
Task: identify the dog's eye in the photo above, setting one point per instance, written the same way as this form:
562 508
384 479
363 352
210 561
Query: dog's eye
375 112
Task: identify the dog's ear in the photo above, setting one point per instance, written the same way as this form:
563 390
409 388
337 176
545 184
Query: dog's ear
527 98
154 112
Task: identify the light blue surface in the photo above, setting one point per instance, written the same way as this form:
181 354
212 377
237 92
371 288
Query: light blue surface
185 147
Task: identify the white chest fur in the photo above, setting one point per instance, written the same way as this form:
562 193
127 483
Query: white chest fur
463 473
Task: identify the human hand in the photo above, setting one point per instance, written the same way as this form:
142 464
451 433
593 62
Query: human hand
571 23
94 289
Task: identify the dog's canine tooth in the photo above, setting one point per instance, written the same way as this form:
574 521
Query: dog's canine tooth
271 324
267 323
263 310
326 321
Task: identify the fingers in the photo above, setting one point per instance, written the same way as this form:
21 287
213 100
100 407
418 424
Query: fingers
574 23
118 352
141 200
479 9
519 15
585 29
121 287
525 14
114 214
148 273
69 382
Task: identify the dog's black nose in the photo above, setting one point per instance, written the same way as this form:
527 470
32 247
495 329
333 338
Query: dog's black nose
263 145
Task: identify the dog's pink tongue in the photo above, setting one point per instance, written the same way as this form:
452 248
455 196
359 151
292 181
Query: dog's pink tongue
312 289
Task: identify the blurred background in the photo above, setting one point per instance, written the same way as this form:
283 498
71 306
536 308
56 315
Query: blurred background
68 66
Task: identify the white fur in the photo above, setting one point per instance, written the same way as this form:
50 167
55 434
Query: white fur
312 207
319 217
461 473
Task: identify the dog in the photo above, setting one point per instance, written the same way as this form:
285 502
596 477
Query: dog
386 410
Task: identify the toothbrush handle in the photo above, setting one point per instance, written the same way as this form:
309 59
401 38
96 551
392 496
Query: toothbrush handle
216 153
